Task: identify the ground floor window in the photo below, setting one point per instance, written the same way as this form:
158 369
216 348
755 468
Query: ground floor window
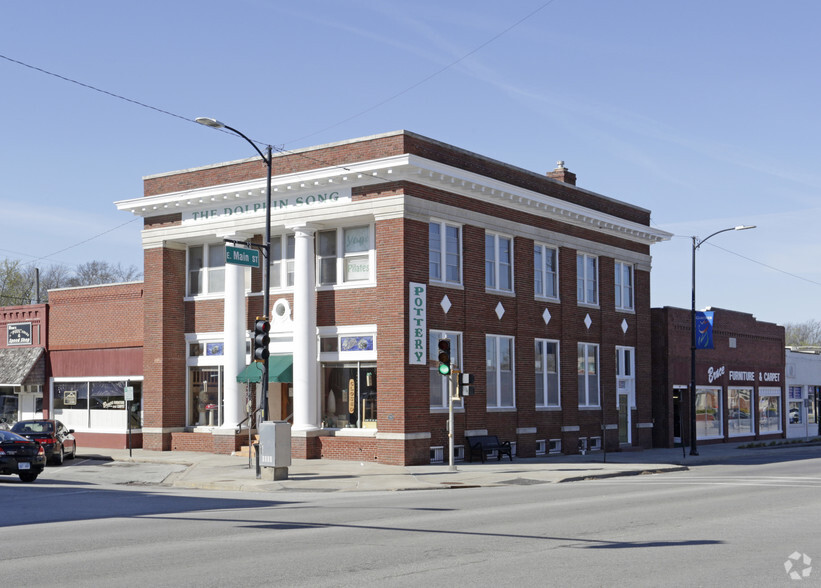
740 408
547 373
349 398
769 411
708 413
501 392
97 405
439 384
205 387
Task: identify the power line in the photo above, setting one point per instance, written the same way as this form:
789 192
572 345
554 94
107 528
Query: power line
755 261
432 75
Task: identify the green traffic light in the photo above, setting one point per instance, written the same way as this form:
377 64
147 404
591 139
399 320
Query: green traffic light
444 369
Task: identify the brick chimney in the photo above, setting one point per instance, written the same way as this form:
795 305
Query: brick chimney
562 174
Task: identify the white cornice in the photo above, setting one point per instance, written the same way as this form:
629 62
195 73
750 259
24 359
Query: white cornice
406 167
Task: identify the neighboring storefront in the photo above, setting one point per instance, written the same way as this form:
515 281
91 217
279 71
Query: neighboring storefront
23 340
380 246
740 383
803 391
96 359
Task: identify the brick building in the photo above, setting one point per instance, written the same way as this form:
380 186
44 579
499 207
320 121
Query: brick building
380 247
740 389
23 367
95 353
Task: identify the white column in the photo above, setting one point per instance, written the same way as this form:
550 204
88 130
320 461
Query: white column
233 393
306 395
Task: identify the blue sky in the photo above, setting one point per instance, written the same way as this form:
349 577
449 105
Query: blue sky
705 113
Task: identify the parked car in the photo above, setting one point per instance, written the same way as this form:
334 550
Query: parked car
21 457
57 440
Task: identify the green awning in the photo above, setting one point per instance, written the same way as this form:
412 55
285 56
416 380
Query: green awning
280 369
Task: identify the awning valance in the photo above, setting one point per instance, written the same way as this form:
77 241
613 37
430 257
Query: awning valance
280 369
22 366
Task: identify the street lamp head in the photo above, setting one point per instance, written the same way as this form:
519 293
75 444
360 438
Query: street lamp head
209 122
743 227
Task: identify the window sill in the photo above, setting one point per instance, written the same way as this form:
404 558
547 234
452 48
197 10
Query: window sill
454 285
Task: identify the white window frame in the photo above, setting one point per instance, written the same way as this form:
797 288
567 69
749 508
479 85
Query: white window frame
587 286
206 272
625 293
626 374
495 267
286 277
542 276
342 256
542 375
586 352
437 382
444 254
494 371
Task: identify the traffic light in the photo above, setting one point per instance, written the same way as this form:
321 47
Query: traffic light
444 356
261 339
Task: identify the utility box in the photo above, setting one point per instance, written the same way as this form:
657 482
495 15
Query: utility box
275 449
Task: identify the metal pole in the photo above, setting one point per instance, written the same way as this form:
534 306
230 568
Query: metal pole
696 245
451 464
266 280
693 443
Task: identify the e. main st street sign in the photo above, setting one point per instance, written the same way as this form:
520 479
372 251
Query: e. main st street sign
241 256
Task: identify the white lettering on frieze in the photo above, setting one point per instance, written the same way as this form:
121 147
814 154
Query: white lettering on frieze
741 376
418 325
342 195
714 374
769 376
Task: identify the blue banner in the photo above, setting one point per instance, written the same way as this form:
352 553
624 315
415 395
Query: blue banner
704 330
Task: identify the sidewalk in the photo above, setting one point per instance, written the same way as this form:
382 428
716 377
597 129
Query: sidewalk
225 472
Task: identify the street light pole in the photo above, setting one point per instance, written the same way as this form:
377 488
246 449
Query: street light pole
266 247
696 244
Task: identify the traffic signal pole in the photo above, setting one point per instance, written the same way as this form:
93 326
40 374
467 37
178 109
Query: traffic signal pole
451 394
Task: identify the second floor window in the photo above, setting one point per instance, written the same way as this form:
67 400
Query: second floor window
282 261
344 256
624 286
546 271
206 269
445 253
587 279
498 262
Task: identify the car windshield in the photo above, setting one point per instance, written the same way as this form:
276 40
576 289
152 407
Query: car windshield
32 427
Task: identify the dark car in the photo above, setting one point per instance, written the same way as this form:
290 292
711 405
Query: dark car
20 456
56 439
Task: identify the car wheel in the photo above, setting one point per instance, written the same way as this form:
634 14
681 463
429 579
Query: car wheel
28 477
74 451
59 457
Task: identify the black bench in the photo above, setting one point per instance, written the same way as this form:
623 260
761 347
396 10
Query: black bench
485 444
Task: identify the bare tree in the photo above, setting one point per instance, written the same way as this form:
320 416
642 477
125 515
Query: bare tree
93 273
803 334
18 283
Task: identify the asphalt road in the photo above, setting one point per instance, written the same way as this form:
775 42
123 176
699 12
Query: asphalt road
718 525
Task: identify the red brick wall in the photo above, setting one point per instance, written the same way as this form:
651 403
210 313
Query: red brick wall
35 314
96 317
760 348
164 349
